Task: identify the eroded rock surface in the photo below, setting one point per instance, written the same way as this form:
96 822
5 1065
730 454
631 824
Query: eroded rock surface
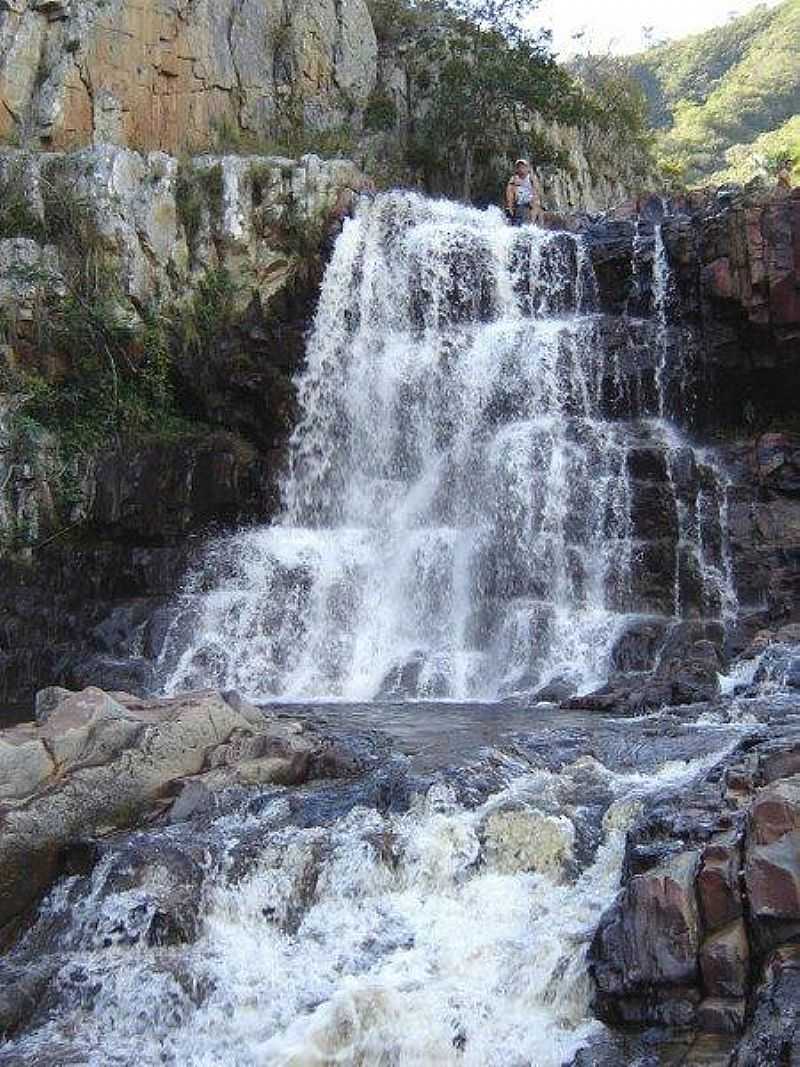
163 75
98 762
704 933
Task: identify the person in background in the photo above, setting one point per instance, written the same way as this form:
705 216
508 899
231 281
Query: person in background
784 175
523 203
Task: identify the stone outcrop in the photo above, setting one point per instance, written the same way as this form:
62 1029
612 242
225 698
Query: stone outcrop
96 762
157 223
704 932
155 75
737 260
159 229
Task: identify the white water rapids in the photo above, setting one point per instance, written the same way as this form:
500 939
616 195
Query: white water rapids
441 936
457 518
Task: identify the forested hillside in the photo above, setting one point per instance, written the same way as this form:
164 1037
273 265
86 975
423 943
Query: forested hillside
726 102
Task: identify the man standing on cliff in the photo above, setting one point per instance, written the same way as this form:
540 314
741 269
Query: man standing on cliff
523 202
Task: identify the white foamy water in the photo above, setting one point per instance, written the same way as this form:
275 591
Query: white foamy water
457 518
439 936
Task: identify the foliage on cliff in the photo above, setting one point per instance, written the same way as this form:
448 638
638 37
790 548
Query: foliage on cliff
723 101
479 85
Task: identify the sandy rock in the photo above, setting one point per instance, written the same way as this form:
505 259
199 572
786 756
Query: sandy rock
529 841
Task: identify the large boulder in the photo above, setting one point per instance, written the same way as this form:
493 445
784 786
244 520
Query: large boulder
99 762
704 937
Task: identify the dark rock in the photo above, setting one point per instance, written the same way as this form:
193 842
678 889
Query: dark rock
638 647
772 862
21 990
165 882
718 884
134 675
718 1015
650 939
773 1034
725 962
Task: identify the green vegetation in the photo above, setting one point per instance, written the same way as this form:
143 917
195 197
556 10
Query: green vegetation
723 101
479 80
380 113
116 375
291 137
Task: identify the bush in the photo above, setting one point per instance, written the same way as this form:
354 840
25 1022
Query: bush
380 113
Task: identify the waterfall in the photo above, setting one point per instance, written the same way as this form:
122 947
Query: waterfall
472 507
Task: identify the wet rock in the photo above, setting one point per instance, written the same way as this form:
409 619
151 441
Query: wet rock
725 962
111 763
773 1034
21 990
718 1015
772 862
718 884
636 650
649 939
158 886
529 840
133 675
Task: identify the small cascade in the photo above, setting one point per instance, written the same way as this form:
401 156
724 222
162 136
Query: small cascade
484 490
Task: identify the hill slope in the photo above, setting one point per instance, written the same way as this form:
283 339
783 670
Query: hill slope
724 100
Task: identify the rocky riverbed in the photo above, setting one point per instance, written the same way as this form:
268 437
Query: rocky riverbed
200 880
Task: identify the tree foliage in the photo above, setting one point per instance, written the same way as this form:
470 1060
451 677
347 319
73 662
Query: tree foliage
480 82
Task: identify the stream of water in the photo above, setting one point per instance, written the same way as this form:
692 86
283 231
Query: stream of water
462 520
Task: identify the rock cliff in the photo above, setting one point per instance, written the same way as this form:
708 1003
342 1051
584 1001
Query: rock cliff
223 250
154 75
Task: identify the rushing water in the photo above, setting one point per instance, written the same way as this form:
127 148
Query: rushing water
458 518
393 922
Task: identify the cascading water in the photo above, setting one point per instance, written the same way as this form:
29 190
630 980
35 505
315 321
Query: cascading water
459 514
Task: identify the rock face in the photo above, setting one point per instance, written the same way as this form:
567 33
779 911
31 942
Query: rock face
161 223
160 229
704 933
97 761
737 262
157 75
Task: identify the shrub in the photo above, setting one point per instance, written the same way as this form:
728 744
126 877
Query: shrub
380 113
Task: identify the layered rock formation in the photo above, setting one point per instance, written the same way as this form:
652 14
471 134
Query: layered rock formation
155 75
703 936
736 256
119 513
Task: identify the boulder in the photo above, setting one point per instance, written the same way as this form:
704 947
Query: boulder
772 862
718 884
725 962
100 762
649 941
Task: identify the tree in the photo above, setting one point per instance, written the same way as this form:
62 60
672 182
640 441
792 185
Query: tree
486 76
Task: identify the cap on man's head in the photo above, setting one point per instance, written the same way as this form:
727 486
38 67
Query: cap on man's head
523 161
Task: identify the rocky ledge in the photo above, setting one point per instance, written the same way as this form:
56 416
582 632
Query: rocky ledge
701 949
95 762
